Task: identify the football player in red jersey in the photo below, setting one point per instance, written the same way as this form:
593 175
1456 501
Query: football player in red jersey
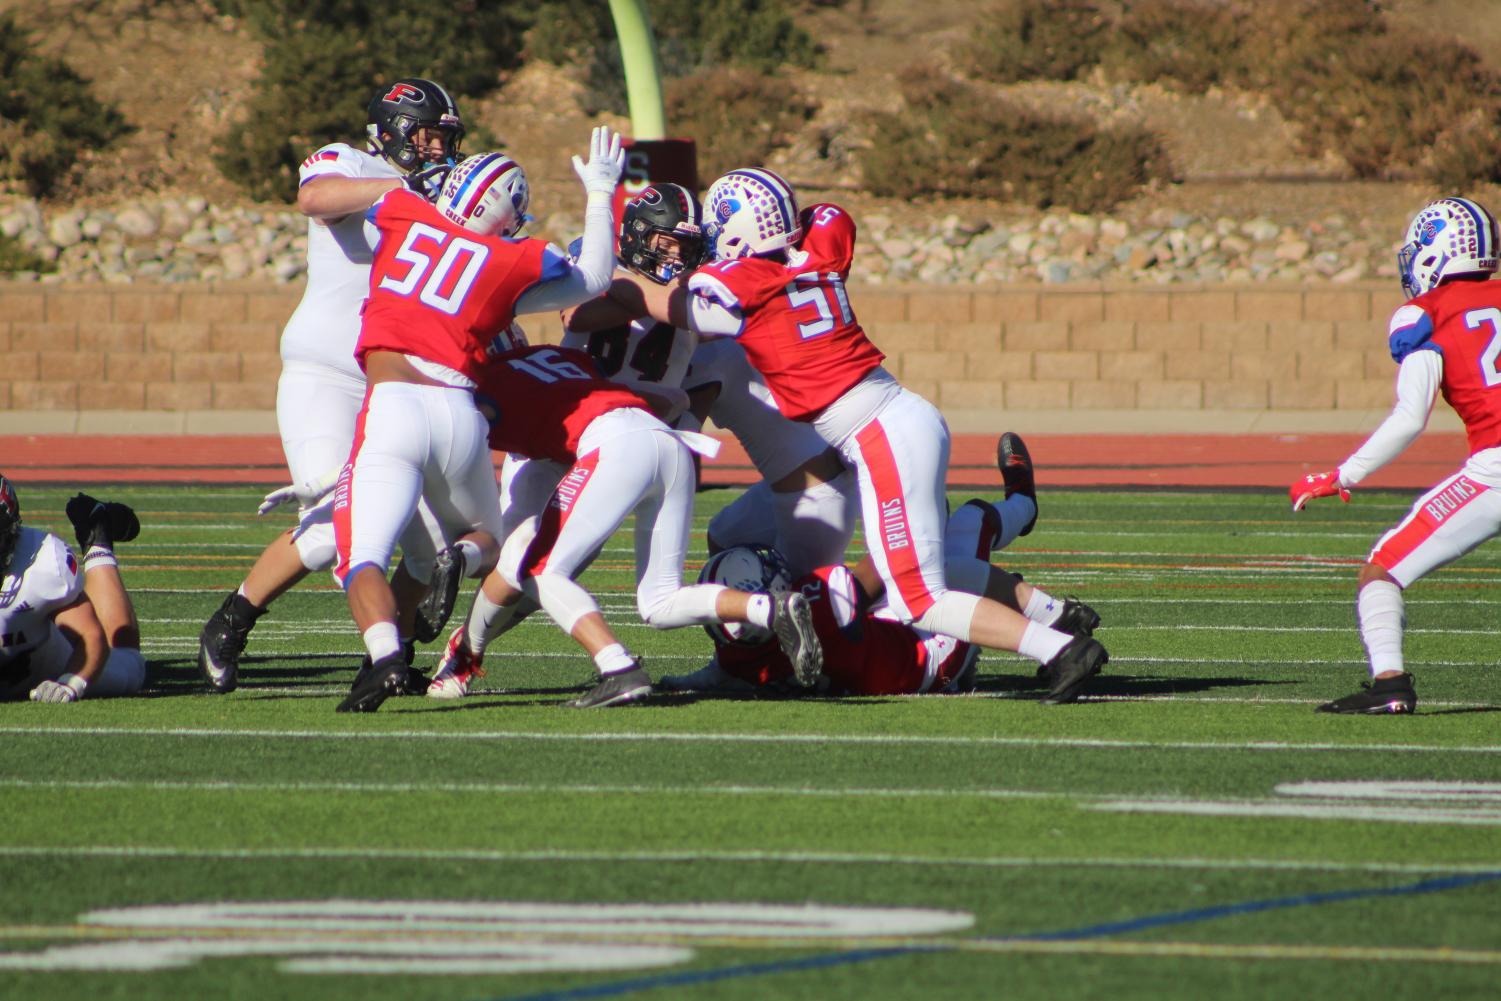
550 404
446 282
1446 339
778 287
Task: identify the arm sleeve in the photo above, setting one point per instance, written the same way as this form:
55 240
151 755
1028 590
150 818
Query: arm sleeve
713 310
1418 381
582 279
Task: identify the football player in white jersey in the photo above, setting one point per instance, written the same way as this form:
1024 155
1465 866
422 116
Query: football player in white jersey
66 632
413 136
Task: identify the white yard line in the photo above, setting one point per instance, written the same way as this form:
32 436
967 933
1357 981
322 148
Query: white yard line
895 740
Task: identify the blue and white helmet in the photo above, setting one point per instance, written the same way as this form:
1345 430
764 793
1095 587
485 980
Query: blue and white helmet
751 212
486 193
756 569
1449 237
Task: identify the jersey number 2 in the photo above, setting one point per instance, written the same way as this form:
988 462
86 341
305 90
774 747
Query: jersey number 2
438 291
1477 318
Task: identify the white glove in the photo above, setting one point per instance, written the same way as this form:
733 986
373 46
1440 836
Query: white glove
68 688
303 493
606 162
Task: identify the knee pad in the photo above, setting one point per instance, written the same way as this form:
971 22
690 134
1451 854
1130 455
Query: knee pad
317 548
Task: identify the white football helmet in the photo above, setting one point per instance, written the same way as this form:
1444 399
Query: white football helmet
750 212
1452 236
487 193
745 568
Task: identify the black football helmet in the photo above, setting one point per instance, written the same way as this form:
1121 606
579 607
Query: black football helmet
396 113
669 209
10 522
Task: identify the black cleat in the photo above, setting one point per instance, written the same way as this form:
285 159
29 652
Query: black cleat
101 523
630 685
1380 697
1073 665
1078 619
223 640
1015 464
792 622
443 592
385 678
416 683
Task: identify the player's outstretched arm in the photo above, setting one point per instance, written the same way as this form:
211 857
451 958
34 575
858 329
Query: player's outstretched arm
332 197
90 650
644 297
599 313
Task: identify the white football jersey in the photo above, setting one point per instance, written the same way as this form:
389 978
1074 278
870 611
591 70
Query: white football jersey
326 324
42 579
746 409
644 351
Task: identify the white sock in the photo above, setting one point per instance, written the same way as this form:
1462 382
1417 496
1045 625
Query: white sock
470 555
1382 619
758 610
1041 643
99 556
1043 607
1016 511
381 640
614 659
486 621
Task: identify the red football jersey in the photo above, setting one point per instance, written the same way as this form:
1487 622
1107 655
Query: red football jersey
439 291
1462 321
862 654
800 331
543 398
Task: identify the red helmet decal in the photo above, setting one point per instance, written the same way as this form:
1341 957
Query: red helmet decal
404 92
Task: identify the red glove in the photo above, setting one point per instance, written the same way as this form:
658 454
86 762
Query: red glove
1316 485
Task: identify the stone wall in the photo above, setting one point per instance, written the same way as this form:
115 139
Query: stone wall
69 351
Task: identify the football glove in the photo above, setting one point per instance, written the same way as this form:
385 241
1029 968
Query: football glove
303 493
606 162
1316 485
428 181
68 688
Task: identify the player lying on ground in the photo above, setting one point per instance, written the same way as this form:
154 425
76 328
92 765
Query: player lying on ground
1445 339
777 285
63 635
867 651
413 135
549 404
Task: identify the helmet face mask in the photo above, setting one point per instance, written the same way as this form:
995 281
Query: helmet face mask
488 194
750 213
756 569
399 113
1448 238
662 233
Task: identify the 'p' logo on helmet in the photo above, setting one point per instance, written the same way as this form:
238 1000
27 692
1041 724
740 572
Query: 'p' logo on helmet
404 92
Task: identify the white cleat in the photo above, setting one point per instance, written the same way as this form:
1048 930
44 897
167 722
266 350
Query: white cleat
455 671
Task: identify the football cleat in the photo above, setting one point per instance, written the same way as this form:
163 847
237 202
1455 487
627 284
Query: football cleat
1072 667
442 593
792 622
1015 464
620 688
1379 697
1078 619
385 678
457 668
416 683
223 640
101 523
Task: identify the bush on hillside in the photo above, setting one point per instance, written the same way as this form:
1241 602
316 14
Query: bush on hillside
1036 40
1378 98
324 60
48 116
738 116
953 140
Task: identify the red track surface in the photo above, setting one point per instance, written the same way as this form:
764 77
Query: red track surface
1168 460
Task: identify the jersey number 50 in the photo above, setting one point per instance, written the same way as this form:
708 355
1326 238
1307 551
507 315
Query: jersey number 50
440 291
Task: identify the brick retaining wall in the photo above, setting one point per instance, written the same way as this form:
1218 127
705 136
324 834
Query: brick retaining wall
84 348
